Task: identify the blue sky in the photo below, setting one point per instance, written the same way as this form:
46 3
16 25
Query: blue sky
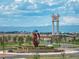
25 13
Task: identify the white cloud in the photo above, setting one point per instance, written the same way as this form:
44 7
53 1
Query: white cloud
75 0
53 2
70 20
25 0
34 7
17 1
1 7
31 1
31 7
49 2
8 9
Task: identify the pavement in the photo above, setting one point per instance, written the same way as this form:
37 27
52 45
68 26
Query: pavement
8 54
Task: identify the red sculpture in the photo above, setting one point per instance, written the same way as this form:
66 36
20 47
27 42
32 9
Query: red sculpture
35 37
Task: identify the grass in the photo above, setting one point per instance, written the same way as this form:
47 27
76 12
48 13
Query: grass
75 42
42 43
53 57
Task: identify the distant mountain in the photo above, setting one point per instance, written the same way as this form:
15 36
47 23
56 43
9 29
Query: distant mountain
69 28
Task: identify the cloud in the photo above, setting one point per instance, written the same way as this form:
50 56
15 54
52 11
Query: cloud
20 10
32 6
7 7
70 20
31 1
18 1
1 7
26 21
75 0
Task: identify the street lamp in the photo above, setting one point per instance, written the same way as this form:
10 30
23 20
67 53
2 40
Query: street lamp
3 45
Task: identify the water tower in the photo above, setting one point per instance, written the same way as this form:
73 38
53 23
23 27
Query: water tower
55 24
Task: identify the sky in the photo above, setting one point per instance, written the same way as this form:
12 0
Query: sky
26 13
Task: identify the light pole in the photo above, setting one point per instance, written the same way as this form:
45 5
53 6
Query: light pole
3 45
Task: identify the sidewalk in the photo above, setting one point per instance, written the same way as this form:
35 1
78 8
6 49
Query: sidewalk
31 54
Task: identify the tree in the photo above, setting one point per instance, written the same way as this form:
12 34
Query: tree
28 39
20 40
15 39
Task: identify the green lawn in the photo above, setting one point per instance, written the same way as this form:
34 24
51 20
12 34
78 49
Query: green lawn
42 43
53 57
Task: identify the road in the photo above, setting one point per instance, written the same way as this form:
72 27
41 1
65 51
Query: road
31 54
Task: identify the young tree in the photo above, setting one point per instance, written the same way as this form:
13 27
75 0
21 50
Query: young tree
28 39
